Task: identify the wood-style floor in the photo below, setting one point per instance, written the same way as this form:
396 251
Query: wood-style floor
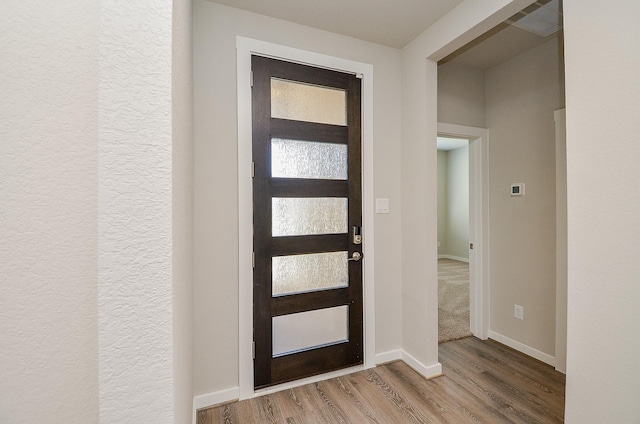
483 382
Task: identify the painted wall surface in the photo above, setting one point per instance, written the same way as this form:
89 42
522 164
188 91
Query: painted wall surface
419 217
419 162
522 95
461 95
453 202
216 198
442 200
458 203
182 219
603 179
135 213
48 212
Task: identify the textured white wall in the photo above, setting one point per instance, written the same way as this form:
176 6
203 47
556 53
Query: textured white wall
216 210
522 95
603 178
135 212
182 128
48 211
91 106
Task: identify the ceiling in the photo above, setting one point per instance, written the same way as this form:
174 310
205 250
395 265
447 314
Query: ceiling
395 23
496 46
508 40
392 23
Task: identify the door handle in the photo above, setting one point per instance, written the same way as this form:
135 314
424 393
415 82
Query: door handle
356 256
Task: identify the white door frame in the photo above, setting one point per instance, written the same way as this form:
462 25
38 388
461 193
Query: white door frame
478 223
245 48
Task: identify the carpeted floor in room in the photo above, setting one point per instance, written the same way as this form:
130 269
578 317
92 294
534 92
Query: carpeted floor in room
453 300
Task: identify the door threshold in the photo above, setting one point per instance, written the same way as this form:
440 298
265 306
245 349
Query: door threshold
307 380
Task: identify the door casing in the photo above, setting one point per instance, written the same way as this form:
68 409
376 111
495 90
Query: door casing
245 48
478 223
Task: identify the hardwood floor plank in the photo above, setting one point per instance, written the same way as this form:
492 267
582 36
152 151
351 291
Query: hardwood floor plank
483 382
457 404
476 383
515 375
408 410
345 393
534 368
432 408
375 399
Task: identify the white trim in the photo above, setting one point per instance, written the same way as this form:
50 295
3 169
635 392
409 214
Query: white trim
215 398
246 47
427 371
383 358
521 347
478 223
454 258
560 118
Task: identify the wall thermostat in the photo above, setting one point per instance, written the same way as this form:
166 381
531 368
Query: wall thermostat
517 189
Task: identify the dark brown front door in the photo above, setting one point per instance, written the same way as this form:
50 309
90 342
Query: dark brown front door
307 215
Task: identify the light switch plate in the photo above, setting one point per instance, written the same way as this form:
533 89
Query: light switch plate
382 205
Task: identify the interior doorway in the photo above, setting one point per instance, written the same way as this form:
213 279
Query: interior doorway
477 241
453 239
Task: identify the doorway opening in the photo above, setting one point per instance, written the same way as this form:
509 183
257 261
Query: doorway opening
453 239
477 141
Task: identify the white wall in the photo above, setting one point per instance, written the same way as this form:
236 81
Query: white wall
458 203
48 211
453 202
182 219
602 68
419 162
96 218
442 201
461 95
522 95
216 195
135 213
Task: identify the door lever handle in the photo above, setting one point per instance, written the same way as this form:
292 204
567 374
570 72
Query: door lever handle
356 256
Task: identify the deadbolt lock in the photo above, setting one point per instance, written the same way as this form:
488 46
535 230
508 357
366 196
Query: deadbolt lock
357 235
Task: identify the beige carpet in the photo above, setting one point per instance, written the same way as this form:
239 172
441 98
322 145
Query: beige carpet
453 300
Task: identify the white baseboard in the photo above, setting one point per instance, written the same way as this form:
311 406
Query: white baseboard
215 398
383 358
427 371
424 370
521 347
453 258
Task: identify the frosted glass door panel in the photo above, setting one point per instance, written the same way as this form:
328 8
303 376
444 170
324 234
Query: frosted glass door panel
293 216
308 330
309 103
304 273
305 159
